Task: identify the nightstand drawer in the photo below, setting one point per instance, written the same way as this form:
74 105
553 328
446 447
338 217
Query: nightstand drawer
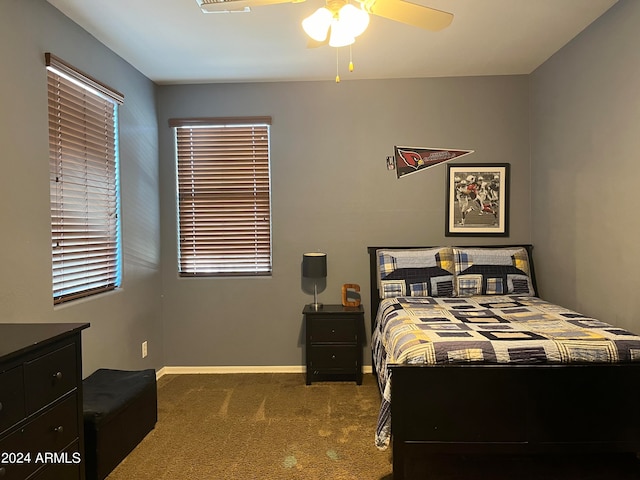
340 330
333 357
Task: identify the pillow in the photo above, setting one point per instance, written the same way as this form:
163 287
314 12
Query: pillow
492 271
416 272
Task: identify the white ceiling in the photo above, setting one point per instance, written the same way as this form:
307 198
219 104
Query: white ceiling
173 41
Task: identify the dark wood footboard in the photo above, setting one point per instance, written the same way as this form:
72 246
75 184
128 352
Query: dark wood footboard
509 408
513 409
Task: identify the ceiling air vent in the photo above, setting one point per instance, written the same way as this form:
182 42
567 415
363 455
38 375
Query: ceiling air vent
224 6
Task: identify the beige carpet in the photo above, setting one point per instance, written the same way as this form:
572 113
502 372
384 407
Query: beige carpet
273 426
260 426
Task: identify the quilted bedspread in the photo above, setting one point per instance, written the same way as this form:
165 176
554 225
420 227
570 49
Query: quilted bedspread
489 329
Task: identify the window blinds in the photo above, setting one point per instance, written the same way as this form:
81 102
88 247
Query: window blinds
223 196
83 146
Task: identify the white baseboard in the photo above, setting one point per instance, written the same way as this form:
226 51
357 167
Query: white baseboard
169 370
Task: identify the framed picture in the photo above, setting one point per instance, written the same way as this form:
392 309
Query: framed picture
477 199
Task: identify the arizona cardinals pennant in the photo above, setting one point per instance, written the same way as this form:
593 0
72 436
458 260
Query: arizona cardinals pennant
411 160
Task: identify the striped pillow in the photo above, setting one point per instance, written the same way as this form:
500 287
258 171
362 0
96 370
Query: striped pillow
492 271
419 272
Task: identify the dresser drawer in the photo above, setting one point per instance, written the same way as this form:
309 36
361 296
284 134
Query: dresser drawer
333 330
11 398
54 429
333 358
50 432
50 377
67 466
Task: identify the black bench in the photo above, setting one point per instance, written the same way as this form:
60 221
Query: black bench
120 409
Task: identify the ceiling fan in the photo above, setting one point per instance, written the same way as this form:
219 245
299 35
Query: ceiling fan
397 10
339 22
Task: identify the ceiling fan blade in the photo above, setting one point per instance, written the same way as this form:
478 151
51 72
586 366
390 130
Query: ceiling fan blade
220 6
409 13
311 43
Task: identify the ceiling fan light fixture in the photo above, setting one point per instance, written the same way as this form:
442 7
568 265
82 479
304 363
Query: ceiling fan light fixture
341 36
355 20
317 24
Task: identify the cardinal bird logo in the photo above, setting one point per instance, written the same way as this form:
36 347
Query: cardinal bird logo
410 159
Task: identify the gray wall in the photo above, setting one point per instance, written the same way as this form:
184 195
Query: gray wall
575 118
585 116
331 192
121 320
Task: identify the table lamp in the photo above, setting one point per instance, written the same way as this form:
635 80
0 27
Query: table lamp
314 265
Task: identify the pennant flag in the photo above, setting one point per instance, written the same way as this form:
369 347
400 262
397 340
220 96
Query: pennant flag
411 160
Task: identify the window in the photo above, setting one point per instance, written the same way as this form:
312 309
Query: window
83 160
224 205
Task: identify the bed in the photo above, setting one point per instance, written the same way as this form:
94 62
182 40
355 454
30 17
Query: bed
470 360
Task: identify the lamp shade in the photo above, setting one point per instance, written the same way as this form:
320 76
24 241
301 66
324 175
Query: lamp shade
340 34
314 265
317 25
355 19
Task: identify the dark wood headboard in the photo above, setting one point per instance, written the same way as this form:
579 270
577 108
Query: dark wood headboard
373 270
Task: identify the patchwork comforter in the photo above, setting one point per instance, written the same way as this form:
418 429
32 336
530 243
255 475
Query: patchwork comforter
489 329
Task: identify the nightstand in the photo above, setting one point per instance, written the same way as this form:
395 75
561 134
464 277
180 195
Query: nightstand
334 338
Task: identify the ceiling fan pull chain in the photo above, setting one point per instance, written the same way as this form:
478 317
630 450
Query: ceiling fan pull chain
337 66
350 59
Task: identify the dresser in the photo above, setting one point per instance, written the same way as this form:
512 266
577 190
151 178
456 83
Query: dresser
334 338
41 421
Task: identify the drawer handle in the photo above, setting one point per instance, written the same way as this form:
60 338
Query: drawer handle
333 357
58 376
0 406
2 471
59 429
333 330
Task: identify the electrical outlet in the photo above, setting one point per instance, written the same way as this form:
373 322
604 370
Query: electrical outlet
144 349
